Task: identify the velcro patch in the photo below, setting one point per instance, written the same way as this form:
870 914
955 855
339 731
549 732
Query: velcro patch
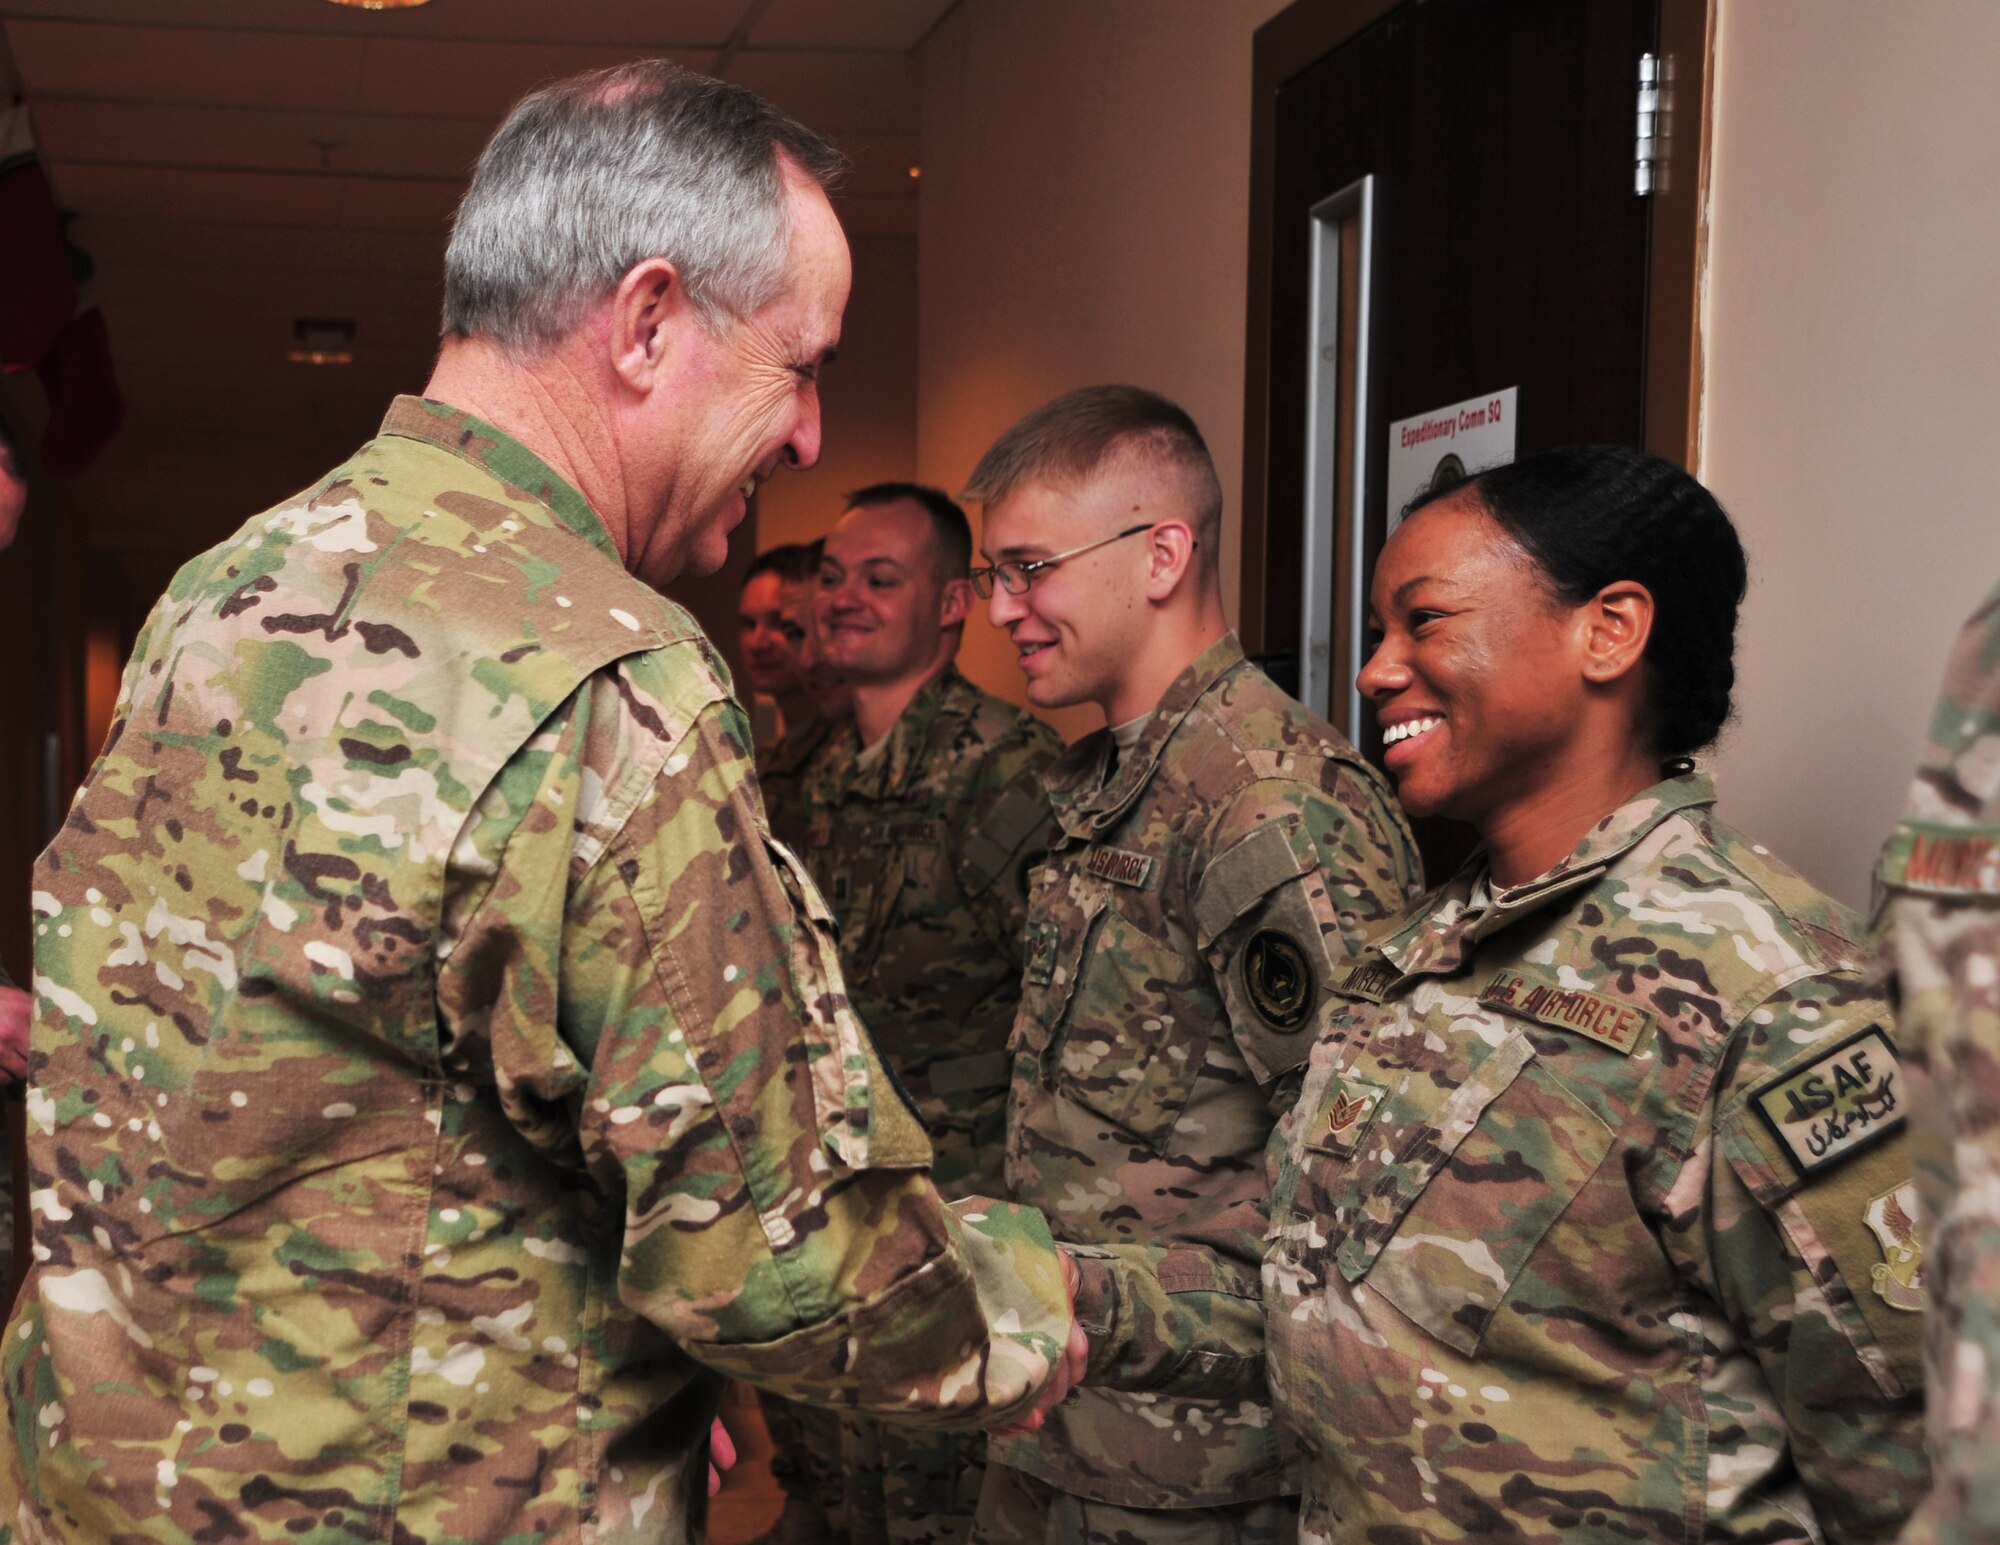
1278 979
1943 860
1610 1021
1371 979
1835 1106
1120 867
1342 1121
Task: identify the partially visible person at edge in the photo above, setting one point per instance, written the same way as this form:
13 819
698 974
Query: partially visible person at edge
1220 853
769 648
15 1006
1592 1220
926 813
440 1077
1938 933
805 1440
824 704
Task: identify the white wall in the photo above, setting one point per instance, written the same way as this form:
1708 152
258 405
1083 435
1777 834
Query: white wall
1084 218
1853 393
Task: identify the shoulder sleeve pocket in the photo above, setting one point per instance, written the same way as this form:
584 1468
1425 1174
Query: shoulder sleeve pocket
1269 932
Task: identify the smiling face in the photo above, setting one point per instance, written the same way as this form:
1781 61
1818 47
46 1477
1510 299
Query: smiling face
1083 623
1478 679
821 679
745 401
882 604
770 650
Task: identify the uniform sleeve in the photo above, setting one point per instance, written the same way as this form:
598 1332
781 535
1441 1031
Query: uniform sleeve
1808 1238
689 1040
1301 872
1005 835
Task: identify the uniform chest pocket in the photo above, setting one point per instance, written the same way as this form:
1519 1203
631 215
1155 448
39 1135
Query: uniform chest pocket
1128 1045
1441 1219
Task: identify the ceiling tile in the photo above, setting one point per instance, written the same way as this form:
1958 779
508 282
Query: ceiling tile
877 94
183 64
259 139
684 23
482 80
897 25
273 198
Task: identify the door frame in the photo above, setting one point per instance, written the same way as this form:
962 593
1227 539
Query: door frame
1308 30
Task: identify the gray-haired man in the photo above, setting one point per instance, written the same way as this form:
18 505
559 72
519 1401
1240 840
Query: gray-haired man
437 1062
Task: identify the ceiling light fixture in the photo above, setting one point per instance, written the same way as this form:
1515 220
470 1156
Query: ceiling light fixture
380 5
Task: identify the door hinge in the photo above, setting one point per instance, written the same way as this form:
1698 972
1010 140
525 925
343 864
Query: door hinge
1649 151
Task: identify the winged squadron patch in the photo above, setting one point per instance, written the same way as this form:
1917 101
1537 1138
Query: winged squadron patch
1278 979
1900 1277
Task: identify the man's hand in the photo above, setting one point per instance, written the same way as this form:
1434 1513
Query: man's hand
17 1009
721 1454
1069 1370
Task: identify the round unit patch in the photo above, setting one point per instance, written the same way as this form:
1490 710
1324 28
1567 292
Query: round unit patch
1277 978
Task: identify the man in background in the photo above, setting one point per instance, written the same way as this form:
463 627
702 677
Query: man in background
439 1080
926 813
1219 853
769 646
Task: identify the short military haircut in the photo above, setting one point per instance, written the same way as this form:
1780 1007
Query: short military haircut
593 175
951 532
1067 441
790 561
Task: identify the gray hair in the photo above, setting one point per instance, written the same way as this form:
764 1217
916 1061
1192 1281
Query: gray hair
595 174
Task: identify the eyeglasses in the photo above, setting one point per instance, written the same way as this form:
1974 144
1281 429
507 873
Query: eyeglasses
1015 578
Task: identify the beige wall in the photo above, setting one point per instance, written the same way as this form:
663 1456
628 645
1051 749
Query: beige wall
1084 218
1853 335
868 399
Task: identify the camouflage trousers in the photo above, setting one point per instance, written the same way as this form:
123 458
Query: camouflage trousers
907 1486
1017 1509
805 1455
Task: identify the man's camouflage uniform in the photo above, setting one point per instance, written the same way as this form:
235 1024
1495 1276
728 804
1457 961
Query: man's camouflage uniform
1940 932
1592 1219
782 770
435 1060
1200 895
922 851
805 1440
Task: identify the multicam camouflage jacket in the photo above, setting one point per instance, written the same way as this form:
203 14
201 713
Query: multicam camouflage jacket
1183 934
781 779
1939 929
1593 1217
435 1059
922 854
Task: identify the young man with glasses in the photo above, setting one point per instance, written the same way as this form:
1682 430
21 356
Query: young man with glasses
1220 854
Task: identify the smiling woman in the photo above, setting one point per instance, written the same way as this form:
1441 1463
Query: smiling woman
1600 1167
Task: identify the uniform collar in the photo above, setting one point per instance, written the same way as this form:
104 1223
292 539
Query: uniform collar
1438 933
1084 802
909 736
500 455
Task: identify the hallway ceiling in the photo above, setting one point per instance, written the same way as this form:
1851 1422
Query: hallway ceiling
237 164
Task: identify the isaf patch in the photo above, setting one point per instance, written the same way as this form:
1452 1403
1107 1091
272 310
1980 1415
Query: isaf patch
1277 979
1899 1276
1836 1106
1609 1021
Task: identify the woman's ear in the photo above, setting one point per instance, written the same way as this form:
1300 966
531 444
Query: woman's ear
1616 622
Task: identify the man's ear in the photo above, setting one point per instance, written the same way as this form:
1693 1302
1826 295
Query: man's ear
1169 556
1616 623
956 603
644 310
